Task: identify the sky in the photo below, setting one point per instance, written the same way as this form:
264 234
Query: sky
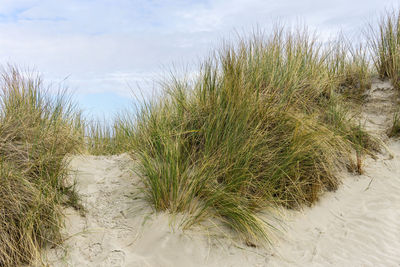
105 51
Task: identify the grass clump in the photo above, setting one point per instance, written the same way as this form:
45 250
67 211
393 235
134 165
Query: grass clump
350 67
260 126
37 131
395 129
103 138
385 47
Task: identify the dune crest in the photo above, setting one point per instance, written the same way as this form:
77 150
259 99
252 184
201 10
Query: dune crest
358 225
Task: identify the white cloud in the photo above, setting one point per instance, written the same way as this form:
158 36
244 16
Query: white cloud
103 45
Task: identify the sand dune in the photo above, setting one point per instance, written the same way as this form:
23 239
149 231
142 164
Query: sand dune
358 225
120 229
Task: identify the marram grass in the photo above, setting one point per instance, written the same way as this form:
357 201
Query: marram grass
261 125
384 42
36 133
265 122
105 138
395 129
350 67
101 139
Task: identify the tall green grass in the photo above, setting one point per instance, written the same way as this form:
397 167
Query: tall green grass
104 138
101 139
395 129
349 65
37 131
266 122
261 125
384 42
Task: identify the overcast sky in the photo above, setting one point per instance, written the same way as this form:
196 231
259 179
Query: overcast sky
106 48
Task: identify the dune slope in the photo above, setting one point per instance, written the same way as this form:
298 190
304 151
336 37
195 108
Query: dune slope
358 225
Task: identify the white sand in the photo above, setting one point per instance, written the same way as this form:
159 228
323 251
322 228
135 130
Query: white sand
119 230
358 225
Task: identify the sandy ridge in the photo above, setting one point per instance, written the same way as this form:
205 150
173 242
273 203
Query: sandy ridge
358 225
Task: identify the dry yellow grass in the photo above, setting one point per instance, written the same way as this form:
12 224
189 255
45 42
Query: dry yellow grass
36 133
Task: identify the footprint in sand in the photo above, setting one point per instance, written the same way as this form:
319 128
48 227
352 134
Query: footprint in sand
92 250
116 258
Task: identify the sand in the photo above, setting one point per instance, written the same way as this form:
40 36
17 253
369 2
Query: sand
358 225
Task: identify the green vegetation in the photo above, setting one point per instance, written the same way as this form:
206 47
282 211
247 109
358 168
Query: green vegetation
105 139
395 129
350 68
101 139
36 133
385 45
263 124
266 122
384 42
